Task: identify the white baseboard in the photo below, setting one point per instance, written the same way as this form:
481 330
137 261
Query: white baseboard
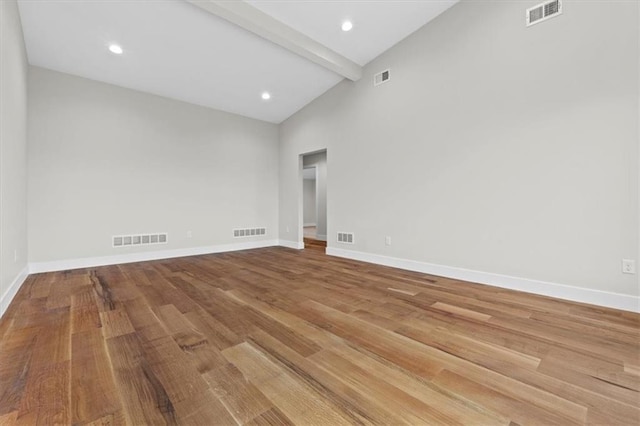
560 291
291 244
88 262
309 224
11 292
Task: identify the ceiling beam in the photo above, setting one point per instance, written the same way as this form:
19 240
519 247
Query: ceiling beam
254 20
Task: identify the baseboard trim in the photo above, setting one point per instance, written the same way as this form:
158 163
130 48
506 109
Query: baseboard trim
309 224
560 291
321 237
291 244
576 294
89 262
11 292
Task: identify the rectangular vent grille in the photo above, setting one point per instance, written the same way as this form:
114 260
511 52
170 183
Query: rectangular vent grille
543 11
346 237
249 232
381 77
139 240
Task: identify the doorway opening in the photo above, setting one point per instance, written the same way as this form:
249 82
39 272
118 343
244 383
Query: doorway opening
314 200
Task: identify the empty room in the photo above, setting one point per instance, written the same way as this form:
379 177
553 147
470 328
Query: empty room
319 212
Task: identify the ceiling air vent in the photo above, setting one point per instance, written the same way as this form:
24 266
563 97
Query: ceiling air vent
345 237
543 11
381 77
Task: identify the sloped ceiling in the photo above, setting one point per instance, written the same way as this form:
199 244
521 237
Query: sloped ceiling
175 49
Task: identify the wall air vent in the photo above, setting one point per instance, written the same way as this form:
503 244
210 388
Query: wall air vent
543 11
249 232
346 237
139 240
381 77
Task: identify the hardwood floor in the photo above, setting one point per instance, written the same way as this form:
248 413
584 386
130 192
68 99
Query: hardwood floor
312 243
278 336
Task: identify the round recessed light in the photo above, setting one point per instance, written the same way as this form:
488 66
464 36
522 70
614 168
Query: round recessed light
347 26
266 96
115 49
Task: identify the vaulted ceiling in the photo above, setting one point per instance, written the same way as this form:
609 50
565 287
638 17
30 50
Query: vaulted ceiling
220 54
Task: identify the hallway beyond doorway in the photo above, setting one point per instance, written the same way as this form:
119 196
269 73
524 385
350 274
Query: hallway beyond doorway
311 241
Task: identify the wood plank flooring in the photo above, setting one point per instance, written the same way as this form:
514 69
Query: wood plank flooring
314 244
279 337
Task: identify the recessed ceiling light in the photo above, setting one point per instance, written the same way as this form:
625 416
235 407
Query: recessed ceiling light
347 25
266 96
115 49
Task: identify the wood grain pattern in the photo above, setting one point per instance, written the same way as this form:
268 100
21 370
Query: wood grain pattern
281 337
93 392
315 244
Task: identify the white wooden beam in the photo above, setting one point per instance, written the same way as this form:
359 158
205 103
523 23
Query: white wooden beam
252 19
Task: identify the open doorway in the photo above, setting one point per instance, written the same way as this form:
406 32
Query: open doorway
314 200
309 202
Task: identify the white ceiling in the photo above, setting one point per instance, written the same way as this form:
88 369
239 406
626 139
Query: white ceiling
377 24
175 49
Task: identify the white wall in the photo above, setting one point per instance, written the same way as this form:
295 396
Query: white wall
309 201
106 161
13 150
494 147
319 161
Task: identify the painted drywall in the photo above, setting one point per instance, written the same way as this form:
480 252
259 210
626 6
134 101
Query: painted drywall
13 153
309 203
319 161
494 147
107 161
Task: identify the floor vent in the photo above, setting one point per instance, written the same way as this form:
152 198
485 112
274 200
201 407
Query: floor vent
543 11
249 232
139 239
381 77
346 237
